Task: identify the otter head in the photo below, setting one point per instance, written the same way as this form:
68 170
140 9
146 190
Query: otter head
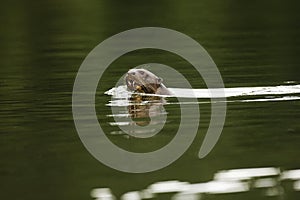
141 80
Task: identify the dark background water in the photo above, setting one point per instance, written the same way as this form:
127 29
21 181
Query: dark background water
43 43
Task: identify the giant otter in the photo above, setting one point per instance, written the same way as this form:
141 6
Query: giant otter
144 81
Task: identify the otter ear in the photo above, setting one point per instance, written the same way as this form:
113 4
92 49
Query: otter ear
159 80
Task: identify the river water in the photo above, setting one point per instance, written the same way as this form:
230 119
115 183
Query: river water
255 45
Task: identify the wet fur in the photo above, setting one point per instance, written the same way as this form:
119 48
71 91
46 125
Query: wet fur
144 81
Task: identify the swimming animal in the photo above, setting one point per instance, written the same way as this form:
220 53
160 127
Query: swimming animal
144 81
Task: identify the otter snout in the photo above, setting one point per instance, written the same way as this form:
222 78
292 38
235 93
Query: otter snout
132 80
131 72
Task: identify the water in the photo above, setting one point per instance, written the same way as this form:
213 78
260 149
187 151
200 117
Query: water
271 182
121 92
254 44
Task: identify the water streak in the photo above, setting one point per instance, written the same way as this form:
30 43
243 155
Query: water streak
120 92
270 180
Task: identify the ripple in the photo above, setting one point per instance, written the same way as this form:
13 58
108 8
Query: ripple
269 179
121 92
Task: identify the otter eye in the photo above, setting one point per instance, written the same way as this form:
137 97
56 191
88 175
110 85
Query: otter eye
141 72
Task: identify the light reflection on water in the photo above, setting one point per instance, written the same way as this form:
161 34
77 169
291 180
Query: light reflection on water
269 179
120 92
126 109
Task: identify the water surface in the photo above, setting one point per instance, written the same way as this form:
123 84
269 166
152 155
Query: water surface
43 43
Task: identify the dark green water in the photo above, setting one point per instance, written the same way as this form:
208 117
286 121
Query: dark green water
43 43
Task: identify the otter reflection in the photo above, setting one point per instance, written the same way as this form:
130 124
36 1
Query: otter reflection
144 108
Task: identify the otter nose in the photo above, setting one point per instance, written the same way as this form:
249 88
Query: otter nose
130 72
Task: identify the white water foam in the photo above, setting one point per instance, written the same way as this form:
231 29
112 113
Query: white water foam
269 92
235 92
